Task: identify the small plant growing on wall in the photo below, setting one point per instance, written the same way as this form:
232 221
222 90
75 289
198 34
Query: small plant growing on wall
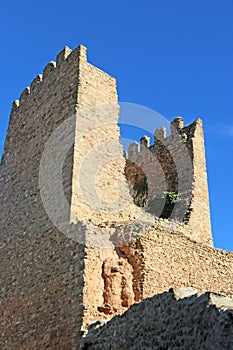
162 205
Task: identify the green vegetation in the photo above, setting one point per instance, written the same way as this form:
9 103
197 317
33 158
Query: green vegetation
163 204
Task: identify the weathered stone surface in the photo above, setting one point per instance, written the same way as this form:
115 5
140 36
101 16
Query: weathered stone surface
159 261
41 277
56 284
165 322
174 164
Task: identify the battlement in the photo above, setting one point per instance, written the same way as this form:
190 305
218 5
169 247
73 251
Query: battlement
177 131
65 56
50 89
173 164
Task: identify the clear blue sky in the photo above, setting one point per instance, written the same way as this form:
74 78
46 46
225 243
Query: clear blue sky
173 56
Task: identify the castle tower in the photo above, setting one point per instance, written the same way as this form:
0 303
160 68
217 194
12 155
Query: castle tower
42 292
177 165
44 214
72 251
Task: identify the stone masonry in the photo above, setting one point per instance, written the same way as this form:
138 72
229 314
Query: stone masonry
79 242
179 319
181 158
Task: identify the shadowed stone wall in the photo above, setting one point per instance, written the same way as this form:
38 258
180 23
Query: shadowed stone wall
179 319
41 269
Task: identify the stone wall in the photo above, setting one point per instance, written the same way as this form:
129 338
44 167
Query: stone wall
178 319
93 253
170 260
174 164
159 259
41 292
50 100
42 302
99 164
42 269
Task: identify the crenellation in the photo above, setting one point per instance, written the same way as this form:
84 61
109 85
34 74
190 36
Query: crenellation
78 55
15 105
49 69
197 127
184 134
175 163
191 129
35 84
63 55
176 125
133 150
160 134
144 142
82 52
24 95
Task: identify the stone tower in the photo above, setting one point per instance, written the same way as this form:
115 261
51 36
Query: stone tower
75 246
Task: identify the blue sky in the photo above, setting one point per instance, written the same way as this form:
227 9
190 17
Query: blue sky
175 57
